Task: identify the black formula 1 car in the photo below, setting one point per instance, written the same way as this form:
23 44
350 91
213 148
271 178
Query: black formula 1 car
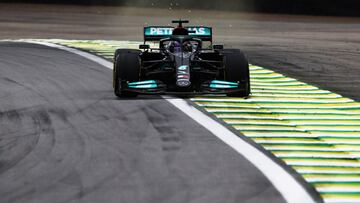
182 64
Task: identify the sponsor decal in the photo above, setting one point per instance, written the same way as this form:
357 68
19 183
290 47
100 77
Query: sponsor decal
183 83
163 31
183 77
160 31
199 31
182 68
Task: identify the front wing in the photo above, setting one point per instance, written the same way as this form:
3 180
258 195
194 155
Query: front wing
157 87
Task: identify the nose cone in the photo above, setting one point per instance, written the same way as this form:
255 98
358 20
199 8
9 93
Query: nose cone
183 76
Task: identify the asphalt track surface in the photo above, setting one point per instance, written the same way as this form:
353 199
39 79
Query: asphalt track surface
65 137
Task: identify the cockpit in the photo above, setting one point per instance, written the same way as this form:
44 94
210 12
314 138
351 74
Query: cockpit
178 46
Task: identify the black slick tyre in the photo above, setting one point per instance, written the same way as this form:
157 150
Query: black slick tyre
126 68
237 70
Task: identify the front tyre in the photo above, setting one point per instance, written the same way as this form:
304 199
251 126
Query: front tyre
126 69
237 70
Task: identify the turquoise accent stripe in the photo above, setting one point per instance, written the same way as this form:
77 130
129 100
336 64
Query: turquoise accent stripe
146 82
148 86
221 82
219 86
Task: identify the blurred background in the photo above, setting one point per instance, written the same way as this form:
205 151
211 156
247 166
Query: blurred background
312 7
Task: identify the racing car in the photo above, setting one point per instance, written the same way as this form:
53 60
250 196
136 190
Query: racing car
185 62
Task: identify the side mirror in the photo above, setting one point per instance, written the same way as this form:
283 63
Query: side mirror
144 46
218 46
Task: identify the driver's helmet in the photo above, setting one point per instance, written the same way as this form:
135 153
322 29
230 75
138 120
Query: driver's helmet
175 47
187 46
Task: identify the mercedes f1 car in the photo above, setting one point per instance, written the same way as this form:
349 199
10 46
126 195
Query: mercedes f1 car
182 64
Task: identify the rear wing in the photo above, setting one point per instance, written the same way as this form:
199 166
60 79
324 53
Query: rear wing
156 33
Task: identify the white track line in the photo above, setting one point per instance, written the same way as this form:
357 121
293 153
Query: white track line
290 189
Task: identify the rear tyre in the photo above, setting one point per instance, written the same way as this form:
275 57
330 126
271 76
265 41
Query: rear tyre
237 70
126 68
